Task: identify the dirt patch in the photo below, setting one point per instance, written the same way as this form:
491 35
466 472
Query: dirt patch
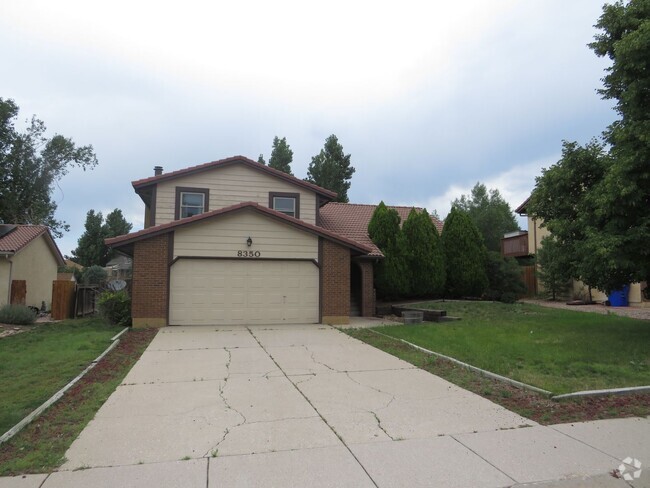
7 330
641 313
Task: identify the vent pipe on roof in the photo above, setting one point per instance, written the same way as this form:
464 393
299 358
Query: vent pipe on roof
157 170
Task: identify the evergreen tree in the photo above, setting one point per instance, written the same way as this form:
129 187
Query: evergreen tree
391 273
260 159
91 249
331 169
465 256
115 225
425 255
490 213
281 155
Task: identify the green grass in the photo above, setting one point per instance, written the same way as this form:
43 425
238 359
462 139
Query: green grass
558 350
36 364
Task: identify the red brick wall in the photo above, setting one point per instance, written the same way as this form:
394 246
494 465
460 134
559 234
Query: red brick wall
336 280
150 285
367 289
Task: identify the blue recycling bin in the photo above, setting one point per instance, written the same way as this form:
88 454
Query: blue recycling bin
618 298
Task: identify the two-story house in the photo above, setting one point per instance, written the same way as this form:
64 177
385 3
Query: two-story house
236 242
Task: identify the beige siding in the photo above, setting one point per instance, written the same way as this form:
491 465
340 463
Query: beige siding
230 185
5 280
535 235
36 265
581 291
225 236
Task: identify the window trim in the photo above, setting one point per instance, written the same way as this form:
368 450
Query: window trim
295 196
187 189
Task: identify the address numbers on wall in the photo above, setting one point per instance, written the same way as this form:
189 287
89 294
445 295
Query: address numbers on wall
248 254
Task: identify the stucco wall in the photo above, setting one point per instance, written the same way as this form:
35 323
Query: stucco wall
36 265
580 290
230 185
5 285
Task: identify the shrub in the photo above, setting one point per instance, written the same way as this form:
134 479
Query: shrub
115 306
504 276
465 256
94 275
554 267
391 273
426 260
17 315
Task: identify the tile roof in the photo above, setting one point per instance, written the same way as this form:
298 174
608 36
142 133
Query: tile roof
164 228
20 236
137 184
351 220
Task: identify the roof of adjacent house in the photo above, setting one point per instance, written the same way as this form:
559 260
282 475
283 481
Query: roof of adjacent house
351 220
521 209
145 182
127 239
15 237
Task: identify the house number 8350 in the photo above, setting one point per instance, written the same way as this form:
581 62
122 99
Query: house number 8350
248 254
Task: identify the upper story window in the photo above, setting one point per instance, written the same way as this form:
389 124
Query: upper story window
190 202
287 203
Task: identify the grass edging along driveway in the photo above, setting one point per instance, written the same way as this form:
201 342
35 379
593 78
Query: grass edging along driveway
41 445
556 350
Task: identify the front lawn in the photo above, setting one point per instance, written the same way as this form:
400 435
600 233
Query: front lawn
558 350
36 364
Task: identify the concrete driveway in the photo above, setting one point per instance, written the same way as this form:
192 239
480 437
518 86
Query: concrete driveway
310 406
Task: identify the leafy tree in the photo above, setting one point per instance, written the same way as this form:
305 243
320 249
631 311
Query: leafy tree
555 270
490 213
391 273
91 249
604 223
465 256
425 256
331 169
30 165
281 155
260 159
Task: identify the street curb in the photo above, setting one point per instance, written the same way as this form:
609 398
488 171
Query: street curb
54 398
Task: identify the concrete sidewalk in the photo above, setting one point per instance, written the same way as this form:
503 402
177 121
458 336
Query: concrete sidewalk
310 406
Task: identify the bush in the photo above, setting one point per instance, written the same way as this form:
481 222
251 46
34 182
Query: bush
115 306
17 315
94 275
426 260
504 275
465 256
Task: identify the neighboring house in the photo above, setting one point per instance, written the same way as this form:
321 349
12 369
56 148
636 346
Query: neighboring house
119 267
236 242
534 236
30 257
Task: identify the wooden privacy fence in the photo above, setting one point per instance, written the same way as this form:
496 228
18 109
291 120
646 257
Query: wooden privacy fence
529 280
18 292
63 298
85 300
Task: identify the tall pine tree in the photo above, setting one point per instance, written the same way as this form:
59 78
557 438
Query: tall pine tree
281 155
426 260
331 169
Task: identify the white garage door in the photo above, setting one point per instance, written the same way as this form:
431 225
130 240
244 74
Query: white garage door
226 292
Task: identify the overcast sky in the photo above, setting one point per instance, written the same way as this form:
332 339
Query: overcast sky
429 97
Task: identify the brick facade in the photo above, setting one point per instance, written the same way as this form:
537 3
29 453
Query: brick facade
335 282
150 285
367 289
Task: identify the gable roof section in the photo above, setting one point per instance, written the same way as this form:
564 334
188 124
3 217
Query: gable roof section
521 209
351 220
145 182
21 236
121 241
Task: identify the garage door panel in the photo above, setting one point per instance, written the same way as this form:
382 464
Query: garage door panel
215 292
